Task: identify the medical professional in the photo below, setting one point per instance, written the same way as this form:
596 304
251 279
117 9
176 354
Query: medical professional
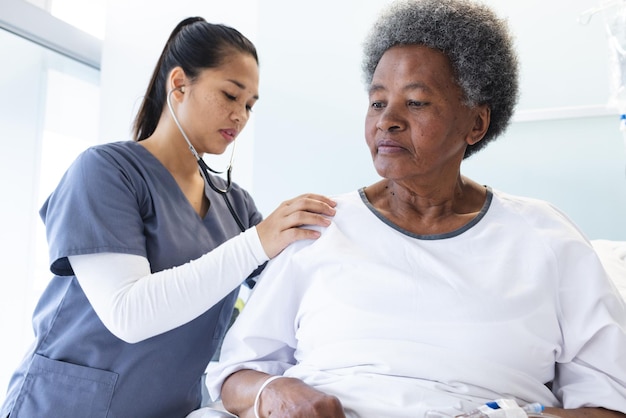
431 294
148 248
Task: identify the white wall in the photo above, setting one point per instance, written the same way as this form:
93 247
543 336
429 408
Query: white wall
576 157
308 133
307 129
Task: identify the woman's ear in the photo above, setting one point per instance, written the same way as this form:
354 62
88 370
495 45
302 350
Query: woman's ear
482 119
177 80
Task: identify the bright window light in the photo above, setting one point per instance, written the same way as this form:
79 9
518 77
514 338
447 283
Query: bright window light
88 16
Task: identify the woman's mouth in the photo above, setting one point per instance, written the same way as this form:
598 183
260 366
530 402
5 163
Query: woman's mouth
229 134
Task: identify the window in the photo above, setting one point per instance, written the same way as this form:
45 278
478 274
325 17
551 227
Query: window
42 27
88 16
49 113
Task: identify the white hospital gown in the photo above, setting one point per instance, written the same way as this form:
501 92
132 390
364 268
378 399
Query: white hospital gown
400 325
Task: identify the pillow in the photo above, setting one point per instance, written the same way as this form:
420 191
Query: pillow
613 257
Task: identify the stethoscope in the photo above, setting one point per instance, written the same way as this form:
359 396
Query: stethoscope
204 168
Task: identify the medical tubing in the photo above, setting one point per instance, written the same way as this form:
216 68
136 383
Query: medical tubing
531 409
233 213
204 168
204 171
180 128
622 127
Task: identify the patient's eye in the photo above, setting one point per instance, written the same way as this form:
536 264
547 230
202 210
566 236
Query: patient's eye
416 103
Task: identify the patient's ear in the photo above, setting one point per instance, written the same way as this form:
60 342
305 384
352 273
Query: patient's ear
482 118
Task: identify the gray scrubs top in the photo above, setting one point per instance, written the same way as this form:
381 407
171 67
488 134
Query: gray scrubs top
118 198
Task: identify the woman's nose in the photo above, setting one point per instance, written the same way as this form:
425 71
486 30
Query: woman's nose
240 115
390 119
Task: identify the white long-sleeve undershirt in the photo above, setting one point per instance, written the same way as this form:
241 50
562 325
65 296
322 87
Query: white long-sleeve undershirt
135 304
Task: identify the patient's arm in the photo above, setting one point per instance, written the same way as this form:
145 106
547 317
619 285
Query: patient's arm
584 413
282 398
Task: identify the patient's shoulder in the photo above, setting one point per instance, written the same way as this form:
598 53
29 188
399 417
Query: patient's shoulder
613 257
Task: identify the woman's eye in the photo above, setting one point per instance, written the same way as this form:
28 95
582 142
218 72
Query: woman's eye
230 96
415 103
377 105
249 108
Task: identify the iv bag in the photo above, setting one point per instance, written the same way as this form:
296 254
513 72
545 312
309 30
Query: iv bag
615 18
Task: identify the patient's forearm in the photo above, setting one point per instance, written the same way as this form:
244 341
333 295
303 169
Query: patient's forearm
239 391
584 413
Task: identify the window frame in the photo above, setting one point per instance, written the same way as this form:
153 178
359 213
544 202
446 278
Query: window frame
37 25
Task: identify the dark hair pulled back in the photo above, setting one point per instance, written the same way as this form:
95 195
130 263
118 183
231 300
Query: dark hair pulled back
193 45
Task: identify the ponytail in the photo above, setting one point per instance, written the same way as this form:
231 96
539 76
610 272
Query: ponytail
193 45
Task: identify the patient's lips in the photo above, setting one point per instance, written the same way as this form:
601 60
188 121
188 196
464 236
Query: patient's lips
389 146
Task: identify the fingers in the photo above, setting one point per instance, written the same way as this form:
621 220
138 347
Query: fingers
285 225
308 210
303 217
312 203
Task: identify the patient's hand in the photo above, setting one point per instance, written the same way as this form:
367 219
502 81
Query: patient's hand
292 398
282 398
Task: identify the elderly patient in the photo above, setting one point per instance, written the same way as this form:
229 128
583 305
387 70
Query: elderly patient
431 293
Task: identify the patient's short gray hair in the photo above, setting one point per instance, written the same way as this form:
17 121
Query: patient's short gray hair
476 41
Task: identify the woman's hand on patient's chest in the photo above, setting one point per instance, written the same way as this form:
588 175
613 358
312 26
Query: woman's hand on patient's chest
282 227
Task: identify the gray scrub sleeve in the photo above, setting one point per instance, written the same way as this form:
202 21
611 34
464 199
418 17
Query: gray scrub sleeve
97 207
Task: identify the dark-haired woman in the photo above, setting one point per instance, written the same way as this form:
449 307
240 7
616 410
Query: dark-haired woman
148 249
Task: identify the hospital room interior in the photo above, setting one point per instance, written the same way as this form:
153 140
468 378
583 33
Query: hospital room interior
73 73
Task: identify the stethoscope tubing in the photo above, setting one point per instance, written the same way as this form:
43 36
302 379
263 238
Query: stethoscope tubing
204 168
203 165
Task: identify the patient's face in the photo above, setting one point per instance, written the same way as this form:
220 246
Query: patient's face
417 123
